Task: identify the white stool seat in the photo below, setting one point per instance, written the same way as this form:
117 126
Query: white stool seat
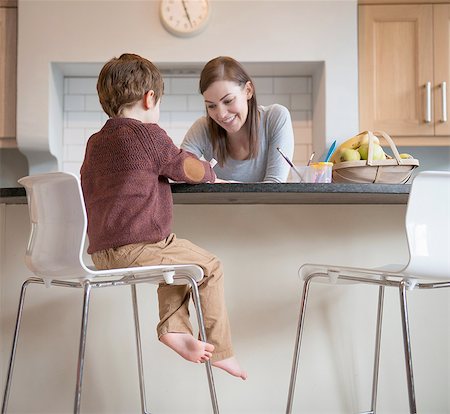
55 255
428 234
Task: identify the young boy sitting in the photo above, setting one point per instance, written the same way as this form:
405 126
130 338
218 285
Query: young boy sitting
128 199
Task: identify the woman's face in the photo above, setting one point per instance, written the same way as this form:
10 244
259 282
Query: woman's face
227 104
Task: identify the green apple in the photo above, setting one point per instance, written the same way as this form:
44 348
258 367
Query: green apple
365 139
349 154
406 156
378 153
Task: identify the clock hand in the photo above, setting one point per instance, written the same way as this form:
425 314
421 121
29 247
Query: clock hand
187 14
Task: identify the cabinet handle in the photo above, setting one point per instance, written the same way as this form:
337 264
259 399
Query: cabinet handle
428 103
444 101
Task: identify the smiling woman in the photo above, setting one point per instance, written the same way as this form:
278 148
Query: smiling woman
241 135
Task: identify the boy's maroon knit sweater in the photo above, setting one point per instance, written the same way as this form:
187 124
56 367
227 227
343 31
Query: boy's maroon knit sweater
124 178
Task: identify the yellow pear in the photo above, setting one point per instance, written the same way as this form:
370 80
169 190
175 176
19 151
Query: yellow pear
348 154
378 153
365 139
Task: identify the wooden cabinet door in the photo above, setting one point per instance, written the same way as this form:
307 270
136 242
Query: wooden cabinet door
395 65
8 65
441 14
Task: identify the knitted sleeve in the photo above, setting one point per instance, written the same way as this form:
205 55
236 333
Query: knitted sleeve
175 163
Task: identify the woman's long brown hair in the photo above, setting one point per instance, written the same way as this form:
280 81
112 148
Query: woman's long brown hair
226 68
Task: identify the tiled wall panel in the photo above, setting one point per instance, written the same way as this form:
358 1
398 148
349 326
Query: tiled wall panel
181 105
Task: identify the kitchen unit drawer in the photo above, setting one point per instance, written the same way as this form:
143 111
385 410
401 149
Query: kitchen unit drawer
8 68
403 84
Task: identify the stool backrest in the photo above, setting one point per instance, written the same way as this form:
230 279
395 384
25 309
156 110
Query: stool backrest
428 225
58 225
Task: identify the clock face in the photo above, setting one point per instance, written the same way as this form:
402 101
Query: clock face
184 17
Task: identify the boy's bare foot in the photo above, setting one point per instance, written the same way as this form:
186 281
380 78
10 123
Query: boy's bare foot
187 346
231 366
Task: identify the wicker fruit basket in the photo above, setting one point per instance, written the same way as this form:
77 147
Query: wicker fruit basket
393 170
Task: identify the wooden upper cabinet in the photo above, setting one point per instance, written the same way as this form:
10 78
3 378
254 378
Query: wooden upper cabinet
399 86
441 14
8 69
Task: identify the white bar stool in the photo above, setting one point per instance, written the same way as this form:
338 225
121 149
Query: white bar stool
55 255
428 235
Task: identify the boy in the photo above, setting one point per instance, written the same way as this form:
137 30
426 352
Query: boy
128 199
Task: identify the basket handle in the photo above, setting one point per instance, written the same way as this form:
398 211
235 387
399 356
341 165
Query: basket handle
389 140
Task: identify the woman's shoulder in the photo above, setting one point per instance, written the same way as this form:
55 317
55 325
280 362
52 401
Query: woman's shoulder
199 128
196 139
201 121
274 111
274 114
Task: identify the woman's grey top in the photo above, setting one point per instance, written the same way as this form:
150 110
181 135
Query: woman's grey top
275 131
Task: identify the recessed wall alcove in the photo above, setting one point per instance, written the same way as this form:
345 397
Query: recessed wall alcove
76 114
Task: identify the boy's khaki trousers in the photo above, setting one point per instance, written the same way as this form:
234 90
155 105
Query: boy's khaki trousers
174 299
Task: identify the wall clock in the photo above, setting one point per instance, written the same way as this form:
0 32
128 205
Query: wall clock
185 17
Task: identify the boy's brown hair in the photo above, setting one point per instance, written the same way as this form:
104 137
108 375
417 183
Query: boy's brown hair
125 80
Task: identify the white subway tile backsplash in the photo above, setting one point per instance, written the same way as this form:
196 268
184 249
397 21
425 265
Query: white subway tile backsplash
302 135
82 86
77 119
181 105
164 118
74 103
263 85
266 100
167 85
301 102
302 153
174 103
184 119
292 85
302 119
73 136
196 103
176 134
72 167
185 86
92 103
74 153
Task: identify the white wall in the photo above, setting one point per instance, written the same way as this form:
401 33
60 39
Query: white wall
251 31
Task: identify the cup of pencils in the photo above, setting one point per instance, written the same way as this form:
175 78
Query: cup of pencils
316 172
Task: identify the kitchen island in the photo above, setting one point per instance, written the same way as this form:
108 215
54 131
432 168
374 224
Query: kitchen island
268 193
262 234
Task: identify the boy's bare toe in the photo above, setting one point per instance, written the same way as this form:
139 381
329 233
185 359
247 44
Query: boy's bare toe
187 346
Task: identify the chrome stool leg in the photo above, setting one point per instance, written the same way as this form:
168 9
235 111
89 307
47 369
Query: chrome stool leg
139 350
376 362
84 323
201 325
298 341
407 347
15 341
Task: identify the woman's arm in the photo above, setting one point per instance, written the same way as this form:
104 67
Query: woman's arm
175 163
280 135
196 140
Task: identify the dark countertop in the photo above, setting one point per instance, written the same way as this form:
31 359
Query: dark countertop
268 193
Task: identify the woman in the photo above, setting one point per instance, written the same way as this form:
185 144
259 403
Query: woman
242 136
